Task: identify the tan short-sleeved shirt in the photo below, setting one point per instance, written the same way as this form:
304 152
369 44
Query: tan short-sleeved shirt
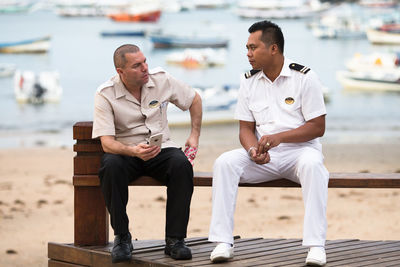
118 113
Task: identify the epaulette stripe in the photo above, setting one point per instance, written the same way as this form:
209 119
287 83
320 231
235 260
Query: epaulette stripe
250 73
299 68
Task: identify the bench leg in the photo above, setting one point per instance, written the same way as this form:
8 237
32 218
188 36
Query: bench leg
91 217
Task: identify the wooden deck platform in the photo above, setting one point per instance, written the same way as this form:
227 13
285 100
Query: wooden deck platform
248 252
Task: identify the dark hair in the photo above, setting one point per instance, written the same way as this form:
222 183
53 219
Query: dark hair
120 52
271 33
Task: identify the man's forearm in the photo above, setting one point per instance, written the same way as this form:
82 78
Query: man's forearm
310 130
196 115
110 145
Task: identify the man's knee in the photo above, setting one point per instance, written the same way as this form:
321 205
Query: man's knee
226 159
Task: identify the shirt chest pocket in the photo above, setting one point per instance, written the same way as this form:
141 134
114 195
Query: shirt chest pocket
262 113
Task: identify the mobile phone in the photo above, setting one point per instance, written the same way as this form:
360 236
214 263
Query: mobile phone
155 140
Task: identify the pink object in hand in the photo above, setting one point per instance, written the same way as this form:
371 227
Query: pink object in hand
190 153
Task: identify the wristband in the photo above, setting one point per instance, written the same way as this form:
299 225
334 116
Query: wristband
249 151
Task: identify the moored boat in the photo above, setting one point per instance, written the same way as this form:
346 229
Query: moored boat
166 41
123 33
197 58
374 81
40 88
386 34
148 16
38 45
6 70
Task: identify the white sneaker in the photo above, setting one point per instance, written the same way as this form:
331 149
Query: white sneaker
316 256
222 252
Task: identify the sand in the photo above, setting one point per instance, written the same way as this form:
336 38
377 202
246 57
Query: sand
36 199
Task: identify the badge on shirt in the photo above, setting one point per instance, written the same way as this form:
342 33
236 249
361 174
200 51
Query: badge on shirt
154 104
289 100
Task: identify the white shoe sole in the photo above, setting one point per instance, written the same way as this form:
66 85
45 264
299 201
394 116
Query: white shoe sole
219 258
312 262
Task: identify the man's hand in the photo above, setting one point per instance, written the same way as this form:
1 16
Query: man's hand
145 152
261 158
192 141
267 142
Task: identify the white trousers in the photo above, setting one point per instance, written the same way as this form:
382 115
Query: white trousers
302 165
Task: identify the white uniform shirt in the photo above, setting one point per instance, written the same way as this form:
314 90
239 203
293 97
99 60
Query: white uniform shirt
287 103
118 113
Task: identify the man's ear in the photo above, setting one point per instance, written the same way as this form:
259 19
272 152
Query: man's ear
119 70
274 49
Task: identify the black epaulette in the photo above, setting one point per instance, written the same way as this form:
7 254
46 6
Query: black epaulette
250 73
298 67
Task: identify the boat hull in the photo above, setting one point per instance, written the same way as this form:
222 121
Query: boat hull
383 37
41 45
350 82
168 42
145 17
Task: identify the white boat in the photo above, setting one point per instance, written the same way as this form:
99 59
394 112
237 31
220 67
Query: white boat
37 88
276 9
218 106
6 70
375 62
198 58
341 22
38 45
381 36
374 81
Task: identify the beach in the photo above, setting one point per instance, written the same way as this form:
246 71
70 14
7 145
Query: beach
36 199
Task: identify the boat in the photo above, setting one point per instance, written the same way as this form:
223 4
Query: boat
198 58
137 11
172 40
218 103
375 62
149 16
15 6
37 45
40 88
374 81
7 70
276 9
385 34
123 33
378 3
341 22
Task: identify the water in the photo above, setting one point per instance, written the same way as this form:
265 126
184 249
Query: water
84 60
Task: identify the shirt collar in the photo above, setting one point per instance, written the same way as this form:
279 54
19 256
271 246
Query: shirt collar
285 71
120 89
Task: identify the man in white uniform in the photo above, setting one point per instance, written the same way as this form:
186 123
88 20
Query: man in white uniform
281 113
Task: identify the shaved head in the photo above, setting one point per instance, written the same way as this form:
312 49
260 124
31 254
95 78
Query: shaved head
120 52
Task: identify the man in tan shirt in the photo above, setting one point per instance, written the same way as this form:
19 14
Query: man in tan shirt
129 108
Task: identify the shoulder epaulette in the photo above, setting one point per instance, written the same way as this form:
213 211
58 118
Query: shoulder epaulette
250 73
105 85
156 70
298 67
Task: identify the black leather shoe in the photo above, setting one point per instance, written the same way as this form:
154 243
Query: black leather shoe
122 249
177 249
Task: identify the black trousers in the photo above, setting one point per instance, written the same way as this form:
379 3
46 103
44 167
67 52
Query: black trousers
170 166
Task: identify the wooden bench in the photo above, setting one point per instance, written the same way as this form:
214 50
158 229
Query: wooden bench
91 218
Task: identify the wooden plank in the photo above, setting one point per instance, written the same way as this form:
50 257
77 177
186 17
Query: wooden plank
68 253
248 252
90 216
54 263
337 180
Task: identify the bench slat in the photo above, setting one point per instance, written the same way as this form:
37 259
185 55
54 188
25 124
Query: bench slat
337 180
